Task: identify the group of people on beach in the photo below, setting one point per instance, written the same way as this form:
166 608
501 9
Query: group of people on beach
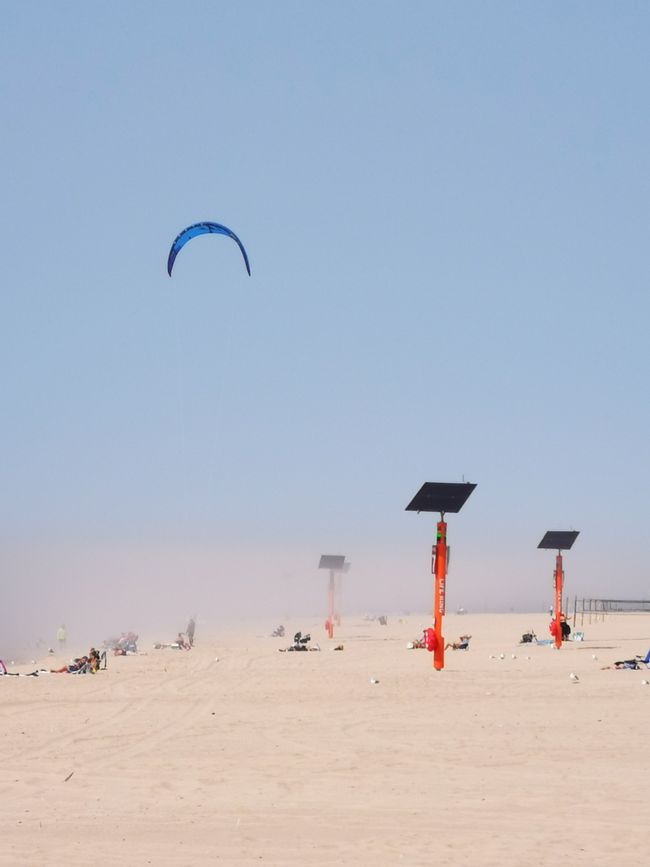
126 644
184 640
90 663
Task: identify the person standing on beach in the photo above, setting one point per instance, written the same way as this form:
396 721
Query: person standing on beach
61 636
191 626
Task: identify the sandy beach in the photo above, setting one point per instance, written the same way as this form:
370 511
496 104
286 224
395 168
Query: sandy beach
262 757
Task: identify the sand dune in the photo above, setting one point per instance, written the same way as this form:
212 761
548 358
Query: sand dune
263 757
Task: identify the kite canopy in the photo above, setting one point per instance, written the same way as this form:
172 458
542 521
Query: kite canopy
203 229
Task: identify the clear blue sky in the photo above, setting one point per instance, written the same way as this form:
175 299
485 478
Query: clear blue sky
446 210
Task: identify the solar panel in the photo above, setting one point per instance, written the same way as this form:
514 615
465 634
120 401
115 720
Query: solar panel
332 561
559 540
441 497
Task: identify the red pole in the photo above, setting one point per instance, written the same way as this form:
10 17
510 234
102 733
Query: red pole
440 574
559 577
337 598
330 604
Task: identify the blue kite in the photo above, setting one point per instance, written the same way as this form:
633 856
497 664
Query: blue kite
203 229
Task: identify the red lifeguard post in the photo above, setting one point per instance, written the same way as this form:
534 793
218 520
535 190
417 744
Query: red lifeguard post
440 497
335 563
338 592
558 540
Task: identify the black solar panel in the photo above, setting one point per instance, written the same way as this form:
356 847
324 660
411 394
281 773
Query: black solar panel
559 540
441 497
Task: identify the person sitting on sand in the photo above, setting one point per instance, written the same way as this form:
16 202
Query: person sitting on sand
93 660
300 643
182 643
564 626
461 644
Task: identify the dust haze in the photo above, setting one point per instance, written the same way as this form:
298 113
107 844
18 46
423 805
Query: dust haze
100 589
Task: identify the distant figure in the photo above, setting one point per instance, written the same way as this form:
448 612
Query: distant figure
383 620
191 626
278 632
61 636
461 644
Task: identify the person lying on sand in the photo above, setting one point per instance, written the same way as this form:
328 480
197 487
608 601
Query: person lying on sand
416 644
73 667
179 644
461 644
622 664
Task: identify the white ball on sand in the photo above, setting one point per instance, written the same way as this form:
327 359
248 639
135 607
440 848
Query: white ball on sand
502 656
373 680
514 656
644 683
593 656
574 677
216 659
